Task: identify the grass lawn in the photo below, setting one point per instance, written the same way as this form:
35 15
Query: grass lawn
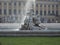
30 40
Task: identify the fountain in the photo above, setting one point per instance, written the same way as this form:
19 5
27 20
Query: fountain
28 25
27 9
10 23
27 21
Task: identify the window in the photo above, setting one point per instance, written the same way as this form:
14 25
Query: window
52 0
58 0
49 21
40 0
15 12
49 5
49 0
45 5
10 12
0 3
53 12
14 3
41 12
36 12
0 20
40 5
56 12
5 3
10 3
52 5
48 12
45 0
16 18
36 5
52 19
0 11
19 3
19 11
42 20
56 5
5 11
44 12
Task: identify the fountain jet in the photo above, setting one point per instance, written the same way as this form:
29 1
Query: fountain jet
27 8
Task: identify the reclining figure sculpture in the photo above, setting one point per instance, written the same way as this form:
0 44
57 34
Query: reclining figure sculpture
33 23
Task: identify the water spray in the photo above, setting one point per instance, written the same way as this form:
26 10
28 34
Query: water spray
27 8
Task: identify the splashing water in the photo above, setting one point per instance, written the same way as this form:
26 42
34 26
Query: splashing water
27 8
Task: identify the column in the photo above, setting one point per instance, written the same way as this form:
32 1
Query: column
13 11
13 8
18 15
58 9
55 9
2 8
35 8
38 9
47 8
43 9
7 9
51 8
2 11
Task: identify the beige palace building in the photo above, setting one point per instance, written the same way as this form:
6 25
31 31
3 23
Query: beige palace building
48 10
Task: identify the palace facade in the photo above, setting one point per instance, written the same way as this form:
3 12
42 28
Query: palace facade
48 10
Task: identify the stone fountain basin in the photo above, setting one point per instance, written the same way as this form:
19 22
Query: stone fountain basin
9 25
51 25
